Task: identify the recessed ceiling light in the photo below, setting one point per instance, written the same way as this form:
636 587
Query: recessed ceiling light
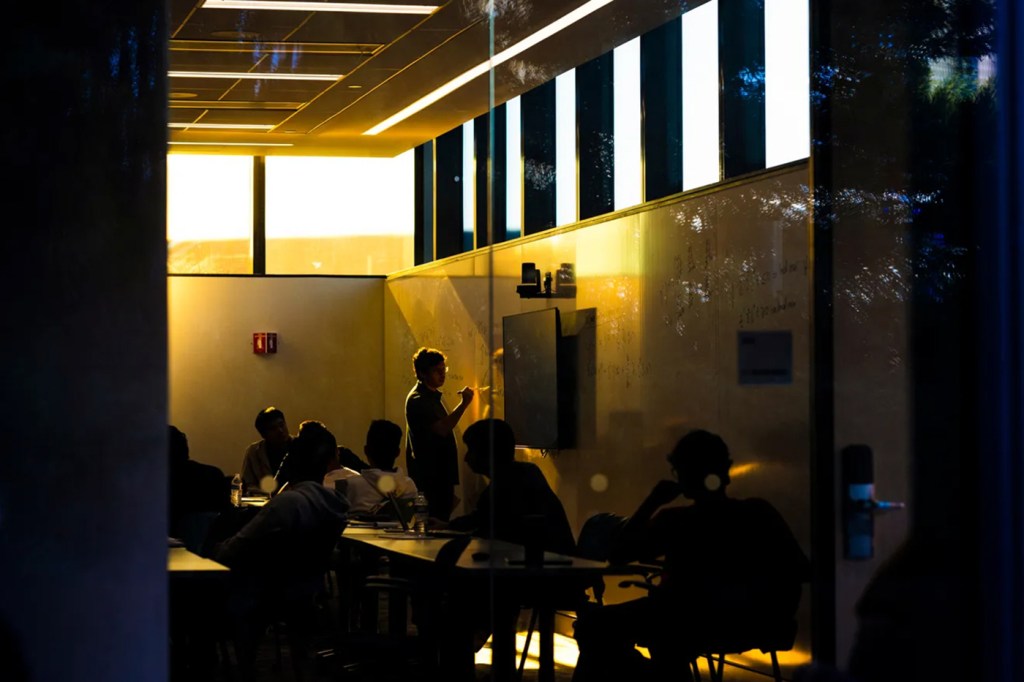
183 95
361 7
354 87
234 144
223 126
251 75
480 69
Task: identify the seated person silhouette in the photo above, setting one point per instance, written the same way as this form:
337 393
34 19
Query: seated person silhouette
367 491
196 490
517 502
263 462
520 507
278 559
731 568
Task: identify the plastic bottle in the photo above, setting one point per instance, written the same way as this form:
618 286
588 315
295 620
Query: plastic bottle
420 514
236 490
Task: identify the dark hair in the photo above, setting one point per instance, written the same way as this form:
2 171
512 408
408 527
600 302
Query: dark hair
478 437
702 452
178 445
425 358
311 452
383 441
266 416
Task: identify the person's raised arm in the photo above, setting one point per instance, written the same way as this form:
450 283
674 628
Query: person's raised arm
632 542
446 425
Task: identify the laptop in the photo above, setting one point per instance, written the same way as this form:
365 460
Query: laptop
402 508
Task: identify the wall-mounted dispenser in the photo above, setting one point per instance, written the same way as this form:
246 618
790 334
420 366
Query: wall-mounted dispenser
562 285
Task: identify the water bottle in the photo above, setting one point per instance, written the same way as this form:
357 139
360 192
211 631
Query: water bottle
236 490
420 514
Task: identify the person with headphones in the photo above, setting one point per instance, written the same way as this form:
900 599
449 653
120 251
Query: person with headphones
729 566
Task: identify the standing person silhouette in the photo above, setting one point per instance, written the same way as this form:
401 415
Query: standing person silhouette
431 452
731 567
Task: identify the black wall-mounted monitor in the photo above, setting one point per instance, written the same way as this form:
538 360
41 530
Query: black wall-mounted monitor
534 382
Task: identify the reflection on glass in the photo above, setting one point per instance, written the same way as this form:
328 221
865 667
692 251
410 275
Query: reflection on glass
209 214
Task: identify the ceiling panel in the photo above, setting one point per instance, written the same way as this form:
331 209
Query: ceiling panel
388 62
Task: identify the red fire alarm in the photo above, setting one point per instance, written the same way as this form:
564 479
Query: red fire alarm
264 342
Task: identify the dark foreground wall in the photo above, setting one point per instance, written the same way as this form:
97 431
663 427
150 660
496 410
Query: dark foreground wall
83 378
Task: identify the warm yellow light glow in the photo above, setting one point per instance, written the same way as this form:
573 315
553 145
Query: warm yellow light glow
480 69
253 75
743 469
566 651
223 126
360 7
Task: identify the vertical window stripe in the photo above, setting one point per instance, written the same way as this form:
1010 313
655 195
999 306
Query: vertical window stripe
787 81
701 134
626 80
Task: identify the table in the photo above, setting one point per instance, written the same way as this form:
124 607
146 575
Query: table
182 563
515 584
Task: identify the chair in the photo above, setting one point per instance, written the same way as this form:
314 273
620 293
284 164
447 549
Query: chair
769 637
770 640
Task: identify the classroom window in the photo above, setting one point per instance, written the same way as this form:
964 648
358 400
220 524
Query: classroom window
339 215
209 214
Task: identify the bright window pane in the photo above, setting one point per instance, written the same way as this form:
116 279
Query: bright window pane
514 169
628 176
565 148
787 81
339 215
209 214
701 136
468 187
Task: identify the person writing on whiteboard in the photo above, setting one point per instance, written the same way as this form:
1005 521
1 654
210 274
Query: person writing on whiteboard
431 452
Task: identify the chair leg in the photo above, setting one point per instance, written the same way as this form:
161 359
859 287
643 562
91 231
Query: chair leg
776 670
695 668
716 674
526 646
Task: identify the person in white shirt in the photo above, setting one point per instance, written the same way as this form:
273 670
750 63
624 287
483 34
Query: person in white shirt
366 490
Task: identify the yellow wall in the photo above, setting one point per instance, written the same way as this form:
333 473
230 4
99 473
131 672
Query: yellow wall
329 365
672 285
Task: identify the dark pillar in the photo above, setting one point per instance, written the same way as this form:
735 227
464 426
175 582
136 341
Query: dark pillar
538 125
741 56
595 102
490 140
423 220
259 215
661 92
448 181
83 574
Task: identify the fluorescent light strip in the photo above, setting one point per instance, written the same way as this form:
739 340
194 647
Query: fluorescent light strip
235 144
361 7
223 126
251 75
495 61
